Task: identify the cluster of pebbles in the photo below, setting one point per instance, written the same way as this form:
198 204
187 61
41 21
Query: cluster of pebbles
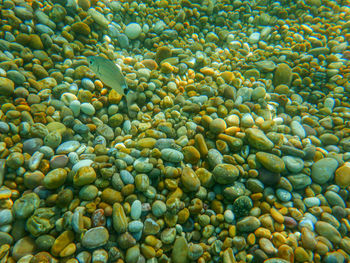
239 151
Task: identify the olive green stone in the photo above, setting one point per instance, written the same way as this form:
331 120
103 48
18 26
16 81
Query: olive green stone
26 205
55 178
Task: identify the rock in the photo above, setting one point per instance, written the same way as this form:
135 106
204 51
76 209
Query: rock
298 129
323 170
135 212
180 251
293 164
119 218
217 126
328 231
24 246
62 241
299 181
342 176
265 65
67 147
6 217
150 227
191 154
242 206
190 180
172 155
282 75
271 162
225 173
133 30
87 108
98 17
5 238
55 178
105 131
132 254
257 139
95 237
135 226
85 175
25 205
248 224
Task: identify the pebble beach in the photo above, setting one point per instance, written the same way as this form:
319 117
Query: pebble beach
237 148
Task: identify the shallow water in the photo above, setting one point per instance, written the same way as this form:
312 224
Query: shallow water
233 146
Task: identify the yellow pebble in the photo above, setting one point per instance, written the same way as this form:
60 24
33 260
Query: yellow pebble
232 231
277 216
251 239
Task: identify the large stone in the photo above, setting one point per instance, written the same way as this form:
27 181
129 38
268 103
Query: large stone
225 173
323 170
271 162
257 139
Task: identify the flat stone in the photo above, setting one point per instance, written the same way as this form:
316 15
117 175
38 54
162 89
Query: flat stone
67 147
172 155
248 224
95 237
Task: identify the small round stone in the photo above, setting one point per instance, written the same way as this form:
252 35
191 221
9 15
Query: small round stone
133 30
217 126
158 208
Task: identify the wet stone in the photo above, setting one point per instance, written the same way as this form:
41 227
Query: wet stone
26 205
225 173
271 162
172 155
95 237
248 224
323 170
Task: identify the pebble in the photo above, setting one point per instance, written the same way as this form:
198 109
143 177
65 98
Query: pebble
67 147
293 164
6 217
342 176
7 86
248 224
298 129
257 139
323 170
135 211
282 75
271 162
225 173
87 108
328 231
95 237
158 208
24 246
133 30
55 178
172 155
